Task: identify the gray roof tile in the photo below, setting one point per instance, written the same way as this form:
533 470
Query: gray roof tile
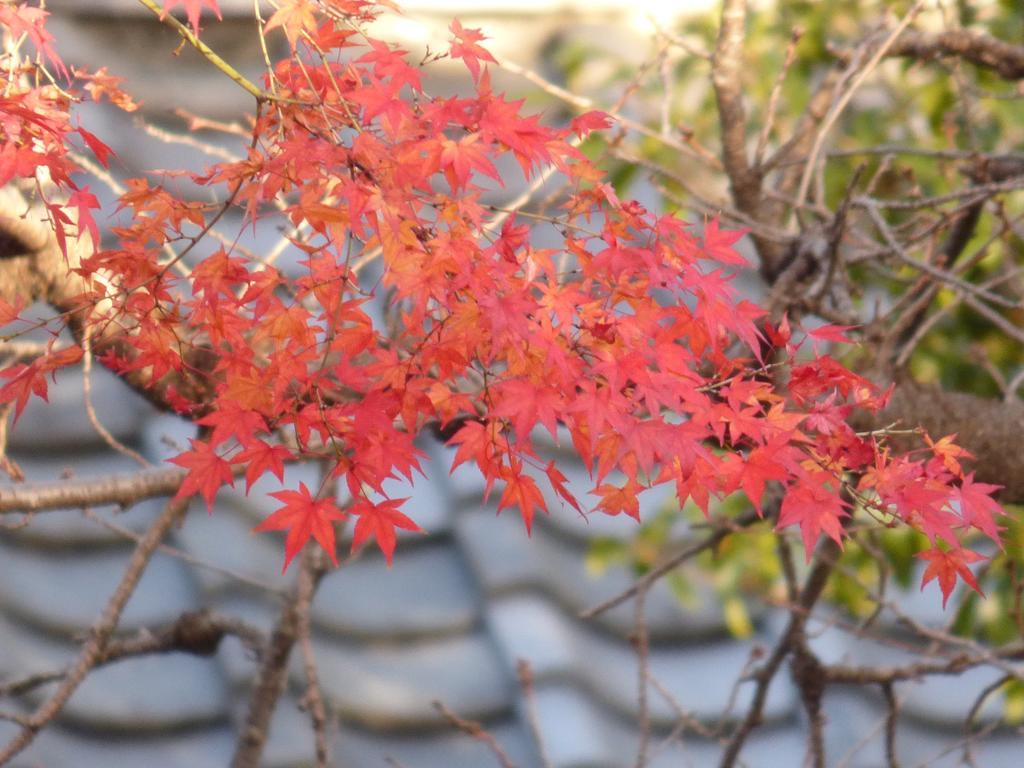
65 591
226 540
577 733
448 749
200 748
62 421
393 685
856 733
607 665
427 592
505 559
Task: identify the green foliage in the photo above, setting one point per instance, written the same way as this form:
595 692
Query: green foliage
926 108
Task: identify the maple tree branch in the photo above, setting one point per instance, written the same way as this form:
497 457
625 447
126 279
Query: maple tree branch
726 77
476 731
273 674
33 268
195 632
808 674
123 490
956 665
314 698
208 53
980 49
524 671
892 706
987 427
824 561
640 639
100 633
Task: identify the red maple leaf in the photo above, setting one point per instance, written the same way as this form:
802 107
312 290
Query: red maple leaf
816 508
615 499
948 453
380 521
466 46
595 120
30 379
557 480
27 20
476 443
718 243
82 200
303 515
260 457
946 565
978 508
193 9
207 472
24 380
762 466
522 491
833 333
99 149
294 17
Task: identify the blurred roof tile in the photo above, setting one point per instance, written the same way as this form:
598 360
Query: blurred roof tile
66 591
393 685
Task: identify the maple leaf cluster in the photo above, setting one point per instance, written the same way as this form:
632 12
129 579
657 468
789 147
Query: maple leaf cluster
627 340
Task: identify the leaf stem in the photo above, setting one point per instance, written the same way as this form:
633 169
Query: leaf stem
208 53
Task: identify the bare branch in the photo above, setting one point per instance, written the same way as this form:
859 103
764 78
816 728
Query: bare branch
844 99
723 528
476 731
726 76
892 706
314 698
100 633
197 632
525 674
273 674
124 490
824 562
1005 59
773 99
641 642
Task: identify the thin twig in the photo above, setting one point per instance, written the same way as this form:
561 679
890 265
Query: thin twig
208 53
723 529
526 682
477 731
641 642
273 674
314 698
196 632
773 98
90 408
840 105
